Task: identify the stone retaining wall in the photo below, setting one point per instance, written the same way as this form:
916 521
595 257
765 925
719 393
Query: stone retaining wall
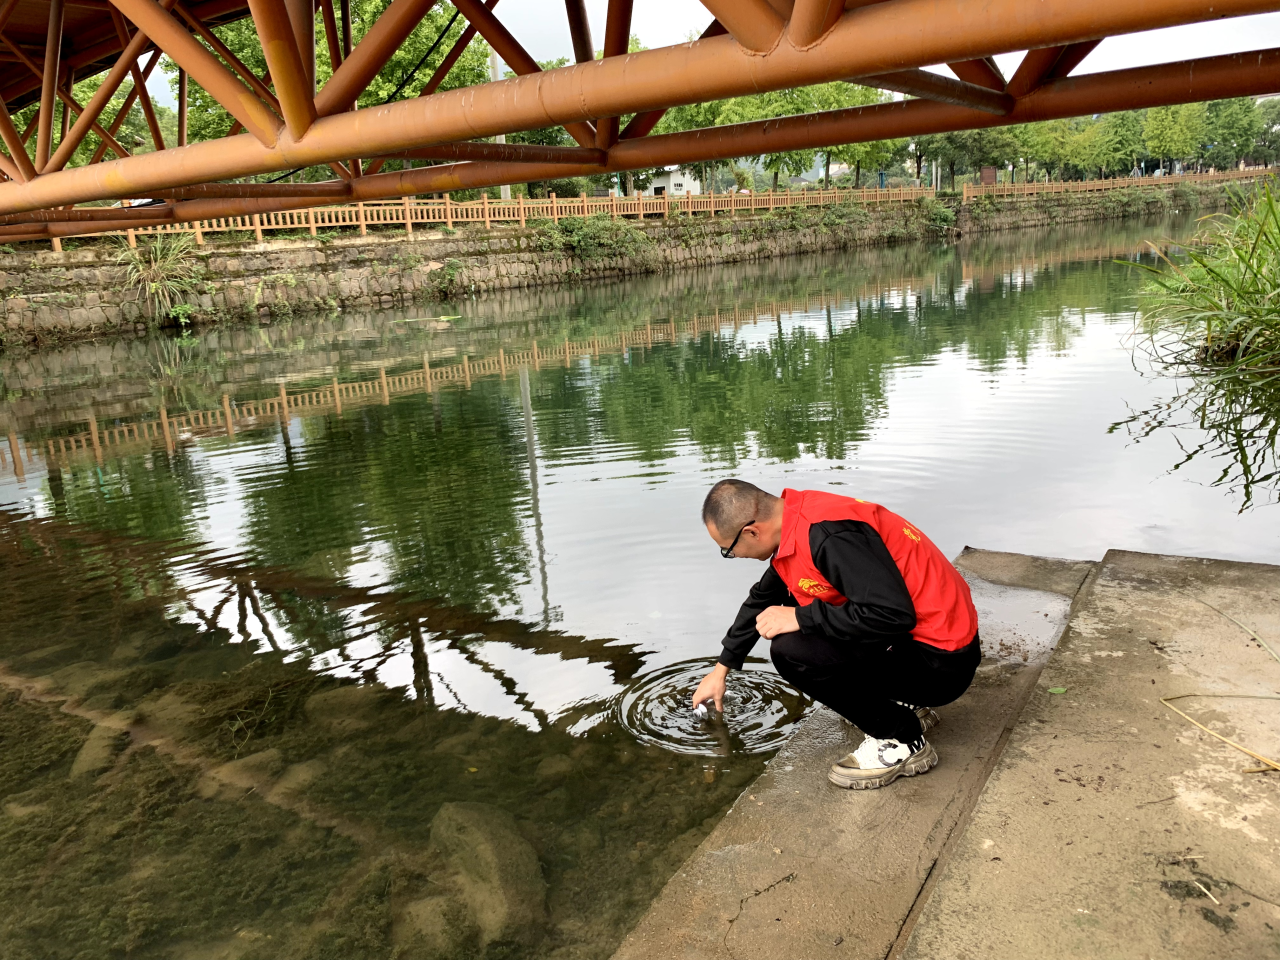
83 293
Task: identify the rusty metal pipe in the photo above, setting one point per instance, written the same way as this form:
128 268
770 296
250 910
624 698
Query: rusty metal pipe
516 57
370 55
811 19
221 49
617 39
288 71
49 84
506 152
932 86
1033 70
580 30
17 148
302 17
237 99
640 81
457 50
754 24
982 72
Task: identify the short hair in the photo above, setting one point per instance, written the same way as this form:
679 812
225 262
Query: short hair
733 504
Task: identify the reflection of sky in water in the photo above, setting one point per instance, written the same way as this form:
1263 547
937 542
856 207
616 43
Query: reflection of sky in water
1011 455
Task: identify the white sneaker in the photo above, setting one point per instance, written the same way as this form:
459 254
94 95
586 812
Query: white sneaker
877 763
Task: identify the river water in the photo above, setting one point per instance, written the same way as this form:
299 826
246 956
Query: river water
411 679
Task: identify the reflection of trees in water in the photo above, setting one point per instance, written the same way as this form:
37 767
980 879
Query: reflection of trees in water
429 494
437 503
809 389
1229 422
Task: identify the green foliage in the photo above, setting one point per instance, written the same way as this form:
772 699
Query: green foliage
1220 309
1234 128
207 120
160 269
594 238
937 213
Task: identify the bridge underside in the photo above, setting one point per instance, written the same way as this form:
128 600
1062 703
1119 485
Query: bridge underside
283 122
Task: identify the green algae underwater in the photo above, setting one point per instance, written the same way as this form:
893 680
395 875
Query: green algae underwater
195 799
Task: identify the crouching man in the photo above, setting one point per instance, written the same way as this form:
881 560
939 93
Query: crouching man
864 613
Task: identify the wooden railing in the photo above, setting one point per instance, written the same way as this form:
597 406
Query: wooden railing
972 190
411 212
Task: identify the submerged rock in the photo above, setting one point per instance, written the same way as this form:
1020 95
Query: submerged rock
344 709
295 779
231 781
499 876
105 740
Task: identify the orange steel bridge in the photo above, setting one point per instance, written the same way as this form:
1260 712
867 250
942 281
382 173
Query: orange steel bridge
284 122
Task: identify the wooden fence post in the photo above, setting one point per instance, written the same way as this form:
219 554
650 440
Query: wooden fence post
133 238
226 417
164 425
555 214
257 227
408 218
311 220
364 230
584 204
522 211
199 233
448 212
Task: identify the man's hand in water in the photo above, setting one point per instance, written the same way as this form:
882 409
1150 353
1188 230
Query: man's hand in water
712 688
775 620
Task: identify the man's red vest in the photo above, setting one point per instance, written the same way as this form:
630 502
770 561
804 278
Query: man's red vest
945 616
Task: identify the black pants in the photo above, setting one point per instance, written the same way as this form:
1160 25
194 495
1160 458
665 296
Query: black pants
861 682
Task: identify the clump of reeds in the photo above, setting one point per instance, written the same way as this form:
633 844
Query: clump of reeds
1219 311
160 269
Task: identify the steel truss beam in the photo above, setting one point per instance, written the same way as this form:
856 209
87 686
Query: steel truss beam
769 45
1185 82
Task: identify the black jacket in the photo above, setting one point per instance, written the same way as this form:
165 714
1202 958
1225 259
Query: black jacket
854 560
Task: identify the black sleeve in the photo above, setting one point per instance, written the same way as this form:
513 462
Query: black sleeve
770 591
853 558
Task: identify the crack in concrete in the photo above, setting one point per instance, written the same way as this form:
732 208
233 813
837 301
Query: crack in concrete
743 902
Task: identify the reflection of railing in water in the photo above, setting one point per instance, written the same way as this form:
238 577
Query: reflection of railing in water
101 440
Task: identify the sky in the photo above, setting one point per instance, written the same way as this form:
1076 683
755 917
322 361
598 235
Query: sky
544 32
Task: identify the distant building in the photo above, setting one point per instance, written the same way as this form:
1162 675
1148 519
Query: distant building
671 182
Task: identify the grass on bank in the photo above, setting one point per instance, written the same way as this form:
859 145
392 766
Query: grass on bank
1215 314
1219 311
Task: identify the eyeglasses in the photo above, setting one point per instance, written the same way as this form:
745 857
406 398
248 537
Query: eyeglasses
727 552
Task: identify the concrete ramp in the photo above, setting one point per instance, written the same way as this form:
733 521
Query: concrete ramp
1111 826
800 868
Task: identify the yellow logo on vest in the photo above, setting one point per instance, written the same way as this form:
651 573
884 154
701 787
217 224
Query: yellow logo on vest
814 588
913 534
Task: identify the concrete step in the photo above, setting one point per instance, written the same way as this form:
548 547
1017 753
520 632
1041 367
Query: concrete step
1112 827
801 868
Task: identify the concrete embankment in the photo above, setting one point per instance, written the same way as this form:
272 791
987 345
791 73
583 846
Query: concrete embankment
84 293
1072 815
